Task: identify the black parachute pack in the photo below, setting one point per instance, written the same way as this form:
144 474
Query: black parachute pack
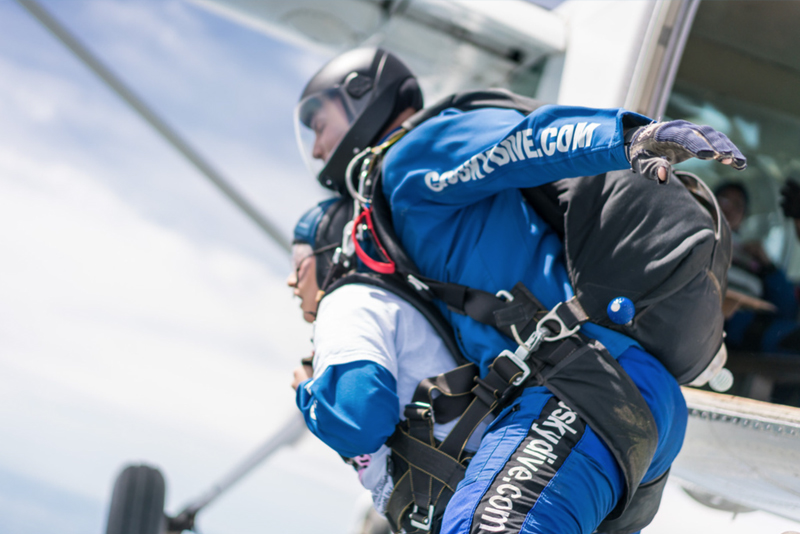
667 248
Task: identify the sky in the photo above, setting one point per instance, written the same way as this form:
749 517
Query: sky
143 318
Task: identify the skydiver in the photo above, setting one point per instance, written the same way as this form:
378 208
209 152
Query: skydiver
468 224
371 350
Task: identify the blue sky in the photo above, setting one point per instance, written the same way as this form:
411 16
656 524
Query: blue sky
142 317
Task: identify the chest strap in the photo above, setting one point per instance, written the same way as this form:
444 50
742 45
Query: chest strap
515 313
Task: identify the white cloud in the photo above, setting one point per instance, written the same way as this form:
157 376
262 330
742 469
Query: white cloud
234 108
120 339
141 316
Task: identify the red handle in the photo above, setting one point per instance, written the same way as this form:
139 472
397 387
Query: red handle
388 267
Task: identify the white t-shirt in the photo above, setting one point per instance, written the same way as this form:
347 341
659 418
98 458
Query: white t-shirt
360 322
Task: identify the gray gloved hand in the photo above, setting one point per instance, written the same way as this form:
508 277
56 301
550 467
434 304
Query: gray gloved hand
656 147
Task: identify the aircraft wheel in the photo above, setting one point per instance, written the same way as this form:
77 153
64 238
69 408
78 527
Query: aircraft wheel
137 503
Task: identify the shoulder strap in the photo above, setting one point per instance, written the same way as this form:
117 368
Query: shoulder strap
470 100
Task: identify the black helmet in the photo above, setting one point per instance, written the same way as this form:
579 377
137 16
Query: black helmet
322 227
369 87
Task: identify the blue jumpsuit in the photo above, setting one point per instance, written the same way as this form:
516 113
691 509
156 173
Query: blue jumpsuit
453 186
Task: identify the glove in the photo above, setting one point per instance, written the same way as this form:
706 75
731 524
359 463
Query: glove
656 147
790 199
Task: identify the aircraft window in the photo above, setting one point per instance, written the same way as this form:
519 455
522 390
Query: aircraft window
740 73
526 81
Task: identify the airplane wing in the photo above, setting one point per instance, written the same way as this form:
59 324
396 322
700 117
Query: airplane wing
451 46
742 451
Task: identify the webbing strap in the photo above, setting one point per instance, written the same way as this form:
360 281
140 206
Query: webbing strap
427 459
487 308
398 508
434 472
487 394
454 392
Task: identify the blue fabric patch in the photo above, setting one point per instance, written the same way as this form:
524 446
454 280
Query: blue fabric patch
590 469
582 492
353 407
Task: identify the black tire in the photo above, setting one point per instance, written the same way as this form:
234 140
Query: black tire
137 504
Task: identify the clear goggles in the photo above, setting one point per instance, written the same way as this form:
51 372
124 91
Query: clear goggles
321 121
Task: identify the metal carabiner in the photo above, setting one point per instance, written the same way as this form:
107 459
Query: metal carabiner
552 317
519 362
508 297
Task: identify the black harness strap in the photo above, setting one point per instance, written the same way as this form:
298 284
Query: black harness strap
431 473
454 388
430 460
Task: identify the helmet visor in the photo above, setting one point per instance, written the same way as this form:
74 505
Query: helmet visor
321 121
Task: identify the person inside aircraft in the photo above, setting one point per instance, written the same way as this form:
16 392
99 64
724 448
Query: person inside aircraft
754 273
542 465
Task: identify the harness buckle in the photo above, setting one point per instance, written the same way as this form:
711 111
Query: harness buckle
543 333
427 410
426 522
542 327
519 362
418 284
348 248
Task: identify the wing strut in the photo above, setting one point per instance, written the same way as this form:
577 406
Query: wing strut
292 430
170 135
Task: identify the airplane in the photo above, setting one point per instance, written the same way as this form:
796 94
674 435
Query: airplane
732 65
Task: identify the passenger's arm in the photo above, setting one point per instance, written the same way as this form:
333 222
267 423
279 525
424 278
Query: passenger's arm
351 404
351 407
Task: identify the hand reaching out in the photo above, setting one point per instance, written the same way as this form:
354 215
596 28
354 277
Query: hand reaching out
656 147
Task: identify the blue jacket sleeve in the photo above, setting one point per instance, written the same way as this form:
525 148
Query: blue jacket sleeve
353 408
458 158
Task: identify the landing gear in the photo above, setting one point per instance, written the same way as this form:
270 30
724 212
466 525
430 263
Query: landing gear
137 504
